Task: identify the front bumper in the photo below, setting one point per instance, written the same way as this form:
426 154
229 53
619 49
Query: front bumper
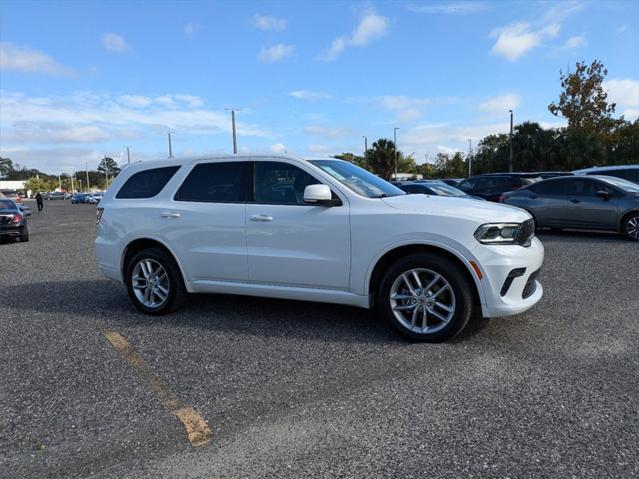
496 263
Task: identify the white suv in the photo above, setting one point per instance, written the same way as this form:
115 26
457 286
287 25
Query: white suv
316 230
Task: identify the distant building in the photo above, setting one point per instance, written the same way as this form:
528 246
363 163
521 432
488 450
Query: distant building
12 185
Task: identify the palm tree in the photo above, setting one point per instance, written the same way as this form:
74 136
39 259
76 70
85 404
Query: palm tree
381 158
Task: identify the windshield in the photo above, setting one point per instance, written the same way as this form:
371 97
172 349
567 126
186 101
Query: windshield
357 179
442 189
625 185
7 205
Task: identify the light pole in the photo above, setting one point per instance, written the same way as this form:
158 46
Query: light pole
86 165
59 182
395 149
470 157
128 156
510 141
106 173
170 147
233 110
365 147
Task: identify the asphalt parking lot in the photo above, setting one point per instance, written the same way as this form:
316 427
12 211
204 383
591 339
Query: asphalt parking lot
294 389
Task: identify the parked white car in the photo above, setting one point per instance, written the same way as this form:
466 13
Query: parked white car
317 230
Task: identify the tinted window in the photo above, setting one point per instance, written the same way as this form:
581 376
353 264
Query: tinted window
215 183
147 183
554 187
280 183
586 187
467 185
7 205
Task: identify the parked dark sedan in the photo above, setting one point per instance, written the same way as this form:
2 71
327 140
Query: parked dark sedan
432 187
581 202
13 223
492 185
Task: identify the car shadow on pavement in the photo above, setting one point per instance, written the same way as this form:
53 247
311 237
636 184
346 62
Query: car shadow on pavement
105 300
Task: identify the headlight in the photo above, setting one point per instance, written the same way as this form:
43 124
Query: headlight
498 233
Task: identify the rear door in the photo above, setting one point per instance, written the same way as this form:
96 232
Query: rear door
547 201
292 243
204 221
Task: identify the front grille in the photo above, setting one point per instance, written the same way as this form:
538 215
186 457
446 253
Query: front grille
531 285
525 233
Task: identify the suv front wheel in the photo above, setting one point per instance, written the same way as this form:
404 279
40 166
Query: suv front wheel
154 282
426 298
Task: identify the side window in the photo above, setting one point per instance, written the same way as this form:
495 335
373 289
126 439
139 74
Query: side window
279 183
147 183
223 182
549 188
467 185
582 187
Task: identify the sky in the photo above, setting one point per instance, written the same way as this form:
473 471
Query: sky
80 80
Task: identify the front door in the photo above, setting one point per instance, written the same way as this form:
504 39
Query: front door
586 209
291 243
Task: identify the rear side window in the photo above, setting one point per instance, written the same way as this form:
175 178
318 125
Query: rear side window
147 183
553 187
223 182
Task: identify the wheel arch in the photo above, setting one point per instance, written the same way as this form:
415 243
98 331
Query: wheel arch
384 260
625 216
139 244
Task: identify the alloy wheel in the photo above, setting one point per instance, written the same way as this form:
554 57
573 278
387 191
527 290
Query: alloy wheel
632 227
422 300
150 283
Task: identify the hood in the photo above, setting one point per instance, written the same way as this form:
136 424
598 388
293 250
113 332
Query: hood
471 209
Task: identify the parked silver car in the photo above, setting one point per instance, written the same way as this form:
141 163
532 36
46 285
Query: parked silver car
581 202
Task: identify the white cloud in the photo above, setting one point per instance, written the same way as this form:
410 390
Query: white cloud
310 95
500 104
317 149
407 108
562 10
327 132
574 43
276 53
516 39
371 27
268 22
114 43
625 93
455 8
191 29
25 59
135 100
279 148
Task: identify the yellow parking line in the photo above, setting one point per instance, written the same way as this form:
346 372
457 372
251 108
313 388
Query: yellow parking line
197 430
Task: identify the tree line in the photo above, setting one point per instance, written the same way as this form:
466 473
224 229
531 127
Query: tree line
36 180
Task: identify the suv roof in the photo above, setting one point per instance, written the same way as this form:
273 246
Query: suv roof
523 175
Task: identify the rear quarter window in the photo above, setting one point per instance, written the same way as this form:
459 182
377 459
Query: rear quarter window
147 183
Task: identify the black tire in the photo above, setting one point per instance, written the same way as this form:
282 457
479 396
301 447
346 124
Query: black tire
24 234
629 226
177 292
465 313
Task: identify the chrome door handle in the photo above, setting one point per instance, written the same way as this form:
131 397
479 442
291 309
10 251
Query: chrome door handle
261 218
169 214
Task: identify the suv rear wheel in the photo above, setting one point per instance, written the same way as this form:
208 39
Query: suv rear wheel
154 282
426 298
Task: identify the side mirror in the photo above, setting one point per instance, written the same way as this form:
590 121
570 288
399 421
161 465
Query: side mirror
603 195
319 195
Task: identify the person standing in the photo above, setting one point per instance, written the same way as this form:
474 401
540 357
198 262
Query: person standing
39 200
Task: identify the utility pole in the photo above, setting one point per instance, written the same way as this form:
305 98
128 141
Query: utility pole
106 173
470 158
72 184
365 146
86 166
59 182
510 141
170 148
128 156
233 110
395 149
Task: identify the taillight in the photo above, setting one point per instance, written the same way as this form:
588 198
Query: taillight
98 212
17 218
